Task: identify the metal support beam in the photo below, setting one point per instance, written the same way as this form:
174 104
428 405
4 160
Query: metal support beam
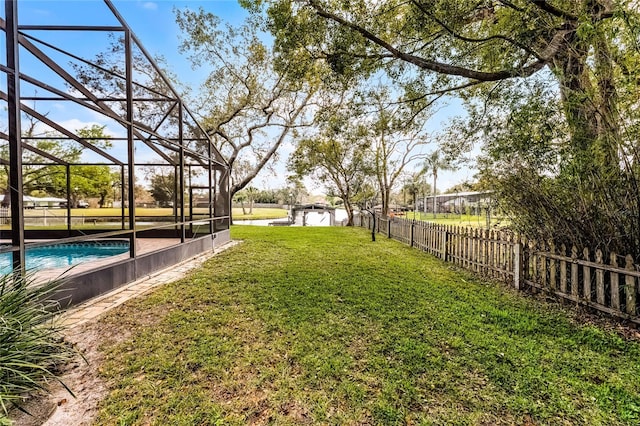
73 82
68 181
65 132
69 28
181 173
15 141
122 186
131 182
176 190
211 186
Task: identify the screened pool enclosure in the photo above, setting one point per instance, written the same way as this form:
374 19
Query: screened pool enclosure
97 145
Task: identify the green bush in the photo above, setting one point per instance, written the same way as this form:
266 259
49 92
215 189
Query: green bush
31 347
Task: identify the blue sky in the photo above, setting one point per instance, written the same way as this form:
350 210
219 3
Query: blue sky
153 22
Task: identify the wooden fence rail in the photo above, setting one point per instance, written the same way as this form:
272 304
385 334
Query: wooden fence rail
609 285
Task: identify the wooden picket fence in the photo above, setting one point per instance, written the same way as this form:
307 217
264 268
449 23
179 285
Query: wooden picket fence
585 277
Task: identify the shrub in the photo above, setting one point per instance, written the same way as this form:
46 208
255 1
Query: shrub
31 346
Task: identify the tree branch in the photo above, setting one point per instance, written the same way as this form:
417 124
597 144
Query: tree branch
423 63
265 158
553 10
474 40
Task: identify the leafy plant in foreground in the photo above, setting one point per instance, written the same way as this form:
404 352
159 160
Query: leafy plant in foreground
31 347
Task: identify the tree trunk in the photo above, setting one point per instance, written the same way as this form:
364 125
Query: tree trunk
590 112
349 208
386 195
435 203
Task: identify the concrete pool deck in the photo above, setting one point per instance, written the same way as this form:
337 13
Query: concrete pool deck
93 308
142 246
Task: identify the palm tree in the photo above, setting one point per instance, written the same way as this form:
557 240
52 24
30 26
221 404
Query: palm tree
241 197
251 193
432 164
414 186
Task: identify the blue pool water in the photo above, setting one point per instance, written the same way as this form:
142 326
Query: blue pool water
65 255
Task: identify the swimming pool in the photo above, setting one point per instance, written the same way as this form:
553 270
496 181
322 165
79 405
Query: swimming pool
65 255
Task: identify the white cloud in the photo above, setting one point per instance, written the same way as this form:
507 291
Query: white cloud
74 125
149 5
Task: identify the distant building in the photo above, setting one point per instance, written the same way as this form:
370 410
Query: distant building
457 202
36 202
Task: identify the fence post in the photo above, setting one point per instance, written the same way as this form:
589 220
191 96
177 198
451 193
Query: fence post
533 260
563 269
388 227
525 273
615 284
517 265
586 276
552 267
413 224
630 287
599 278
574 271
373 226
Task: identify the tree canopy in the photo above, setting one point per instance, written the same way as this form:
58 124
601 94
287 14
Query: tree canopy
44 177
339 158
245 105
550 86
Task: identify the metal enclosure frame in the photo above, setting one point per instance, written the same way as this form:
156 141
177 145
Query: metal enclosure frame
150 113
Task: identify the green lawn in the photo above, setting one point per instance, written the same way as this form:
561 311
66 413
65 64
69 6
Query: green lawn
258 213
457 219
55 217
323 326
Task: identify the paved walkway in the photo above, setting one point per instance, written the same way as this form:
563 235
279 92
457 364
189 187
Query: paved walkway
95 307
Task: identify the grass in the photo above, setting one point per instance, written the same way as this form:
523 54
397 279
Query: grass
259 213
456 219
323 326
145 213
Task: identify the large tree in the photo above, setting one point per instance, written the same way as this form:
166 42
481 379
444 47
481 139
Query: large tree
575 58
92 181
337 162
246 106
338 155
415 186
162 185
469 42
396 140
